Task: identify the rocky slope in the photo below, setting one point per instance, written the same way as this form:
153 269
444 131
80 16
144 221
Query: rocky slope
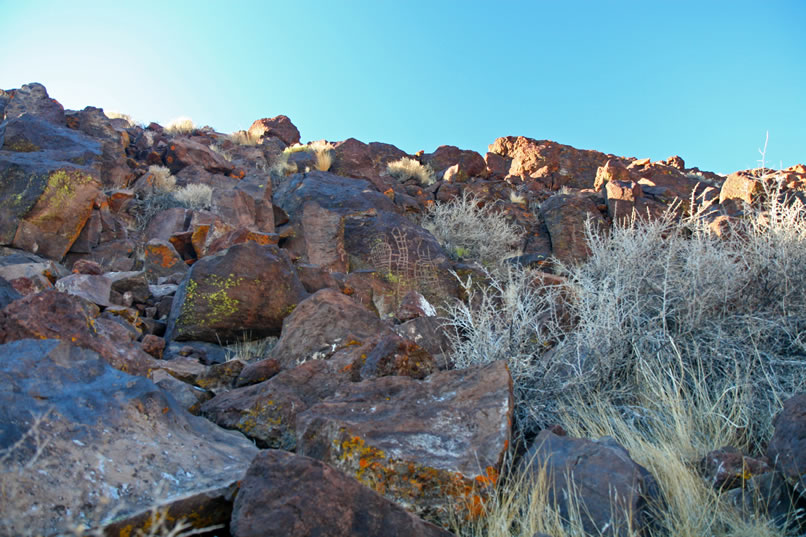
119 298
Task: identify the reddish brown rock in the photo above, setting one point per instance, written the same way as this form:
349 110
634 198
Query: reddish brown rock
554 165
787 447
613 170
55 315
285 495
622 199
87 266
468 163
394 355
217 241
114 140
161 259
741 187
728 468
423 444
278 127
352 158
183 152
565 216
615 494
244 291
414 305
324 237
153 345
267 412
320 325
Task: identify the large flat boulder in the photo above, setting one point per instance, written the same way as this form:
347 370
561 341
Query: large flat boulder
33 99
244 291
286 495
108 442
427 445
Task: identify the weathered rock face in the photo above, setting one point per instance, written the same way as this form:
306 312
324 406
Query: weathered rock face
552 164
612 490
93 288
246 290
320 324
56 315
33 99
105 434
278 127
267 412
7 293
728 468
160 259
394 355
421 443
114 140
565 216
285 495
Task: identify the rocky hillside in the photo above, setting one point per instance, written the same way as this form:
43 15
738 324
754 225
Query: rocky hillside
250 332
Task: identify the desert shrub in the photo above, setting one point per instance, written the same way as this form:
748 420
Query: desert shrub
195 196
321 150
223 153
665 294
249 350
244 138
180 125
465 229
408 168
163 180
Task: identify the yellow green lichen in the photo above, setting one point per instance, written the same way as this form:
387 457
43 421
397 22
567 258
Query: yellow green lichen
210 307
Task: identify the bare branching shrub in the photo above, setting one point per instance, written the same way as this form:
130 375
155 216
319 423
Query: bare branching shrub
195 196
180 125
467 230
408 168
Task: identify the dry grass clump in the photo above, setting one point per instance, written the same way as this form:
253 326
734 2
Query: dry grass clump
467 230
244 138
163 180
180 125
408 168
195 196
120 115
250 350
321 150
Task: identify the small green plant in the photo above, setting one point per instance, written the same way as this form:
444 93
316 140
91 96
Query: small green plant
408 168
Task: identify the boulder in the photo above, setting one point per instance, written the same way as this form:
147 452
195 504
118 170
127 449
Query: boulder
468 163
244 291
160 259
114 140
26 272
285 495
553 165
319 325
182 152
423 444
93 288
278 127
613 492
728 468
33 99
266 412
55 315
395 355
102 434
353 158
565 216
787 447
7 293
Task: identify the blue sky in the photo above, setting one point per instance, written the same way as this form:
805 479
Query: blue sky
705 80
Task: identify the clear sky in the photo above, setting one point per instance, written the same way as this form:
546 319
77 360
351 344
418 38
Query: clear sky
702 79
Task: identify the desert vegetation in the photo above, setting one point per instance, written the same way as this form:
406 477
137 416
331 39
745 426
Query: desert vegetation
671 339
408 168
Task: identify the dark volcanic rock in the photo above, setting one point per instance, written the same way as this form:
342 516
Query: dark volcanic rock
319 325
105 434
55 315
612 489
278 127
33 99
565 216
246 290
285 495
787 448
423 444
